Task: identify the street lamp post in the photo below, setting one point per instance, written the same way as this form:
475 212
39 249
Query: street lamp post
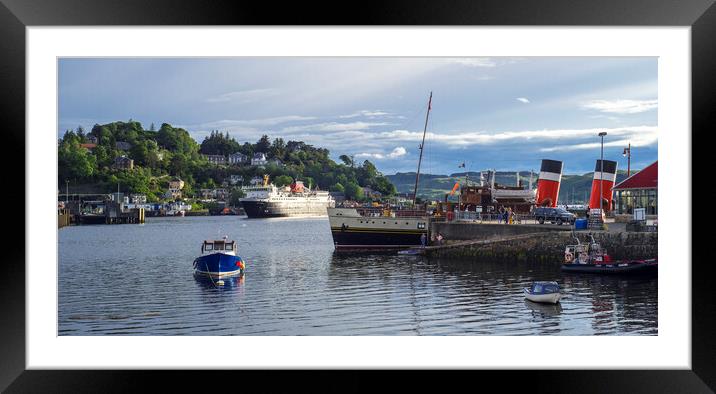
601 175
627 154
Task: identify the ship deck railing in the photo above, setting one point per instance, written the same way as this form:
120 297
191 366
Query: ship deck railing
478 217
391 213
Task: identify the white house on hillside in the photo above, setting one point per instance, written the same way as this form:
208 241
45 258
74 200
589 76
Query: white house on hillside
238 158
216 159
259 159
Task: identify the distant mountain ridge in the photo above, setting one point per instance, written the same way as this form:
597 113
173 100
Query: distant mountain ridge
573 188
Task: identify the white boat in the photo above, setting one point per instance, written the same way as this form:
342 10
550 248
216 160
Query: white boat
543 292
381 229
374 229
268 200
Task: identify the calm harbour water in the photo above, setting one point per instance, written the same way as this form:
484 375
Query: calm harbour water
137 280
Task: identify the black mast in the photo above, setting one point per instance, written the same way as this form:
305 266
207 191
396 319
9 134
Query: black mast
417 175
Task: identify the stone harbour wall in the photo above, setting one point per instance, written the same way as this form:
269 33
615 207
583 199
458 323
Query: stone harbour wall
469 231
546 246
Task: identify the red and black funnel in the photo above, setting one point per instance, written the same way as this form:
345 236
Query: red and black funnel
550 176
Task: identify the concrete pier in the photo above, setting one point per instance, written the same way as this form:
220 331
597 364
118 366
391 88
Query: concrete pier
110 213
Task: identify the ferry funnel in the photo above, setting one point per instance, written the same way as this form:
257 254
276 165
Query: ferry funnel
606 179
550 175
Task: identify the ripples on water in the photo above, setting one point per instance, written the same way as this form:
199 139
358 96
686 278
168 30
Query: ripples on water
137 280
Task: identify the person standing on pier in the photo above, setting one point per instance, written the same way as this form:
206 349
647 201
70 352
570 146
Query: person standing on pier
423 239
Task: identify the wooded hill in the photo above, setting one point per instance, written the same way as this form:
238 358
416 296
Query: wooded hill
89 158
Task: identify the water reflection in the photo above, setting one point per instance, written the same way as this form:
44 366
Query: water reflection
227 284
544 310
296 285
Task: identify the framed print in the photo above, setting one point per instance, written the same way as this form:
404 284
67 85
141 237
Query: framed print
414 190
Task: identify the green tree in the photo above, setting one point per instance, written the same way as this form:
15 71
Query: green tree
347 160
282 180
81 134
383 185
235 196
263 145
75 162
353 191
278 149
139 153
219 144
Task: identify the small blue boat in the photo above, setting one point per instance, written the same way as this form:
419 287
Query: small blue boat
219 259
546 292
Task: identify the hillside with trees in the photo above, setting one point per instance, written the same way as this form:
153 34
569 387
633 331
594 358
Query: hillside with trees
90 158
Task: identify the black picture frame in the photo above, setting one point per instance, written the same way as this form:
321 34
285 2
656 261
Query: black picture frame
16 15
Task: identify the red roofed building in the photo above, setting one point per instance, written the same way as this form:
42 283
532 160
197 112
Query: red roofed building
638 191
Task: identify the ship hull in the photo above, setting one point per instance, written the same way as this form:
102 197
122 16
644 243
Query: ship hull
266 209
352 232
374 239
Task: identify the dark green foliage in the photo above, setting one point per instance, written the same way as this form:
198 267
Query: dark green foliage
234 199
353 191
74 162
282 180
263 145
219 144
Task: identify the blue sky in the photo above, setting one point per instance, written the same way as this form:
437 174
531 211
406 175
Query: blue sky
502 113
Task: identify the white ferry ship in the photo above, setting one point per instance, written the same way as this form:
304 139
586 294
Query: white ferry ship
268 200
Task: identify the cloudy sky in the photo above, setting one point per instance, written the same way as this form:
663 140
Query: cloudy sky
502 113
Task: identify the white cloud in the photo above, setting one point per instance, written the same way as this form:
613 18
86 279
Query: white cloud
261 122
523 100
244 96
366 113
334 126
635 139
397 152
621 106
473 61
553 138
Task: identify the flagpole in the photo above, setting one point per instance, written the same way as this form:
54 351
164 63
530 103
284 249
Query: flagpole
425 129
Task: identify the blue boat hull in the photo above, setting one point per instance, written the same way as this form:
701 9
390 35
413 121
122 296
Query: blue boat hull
218 265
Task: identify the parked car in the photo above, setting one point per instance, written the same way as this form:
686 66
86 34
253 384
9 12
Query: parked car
553 215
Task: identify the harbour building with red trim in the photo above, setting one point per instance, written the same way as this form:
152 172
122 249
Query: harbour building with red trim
638 191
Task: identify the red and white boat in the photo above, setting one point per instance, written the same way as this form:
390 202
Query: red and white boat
592 258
